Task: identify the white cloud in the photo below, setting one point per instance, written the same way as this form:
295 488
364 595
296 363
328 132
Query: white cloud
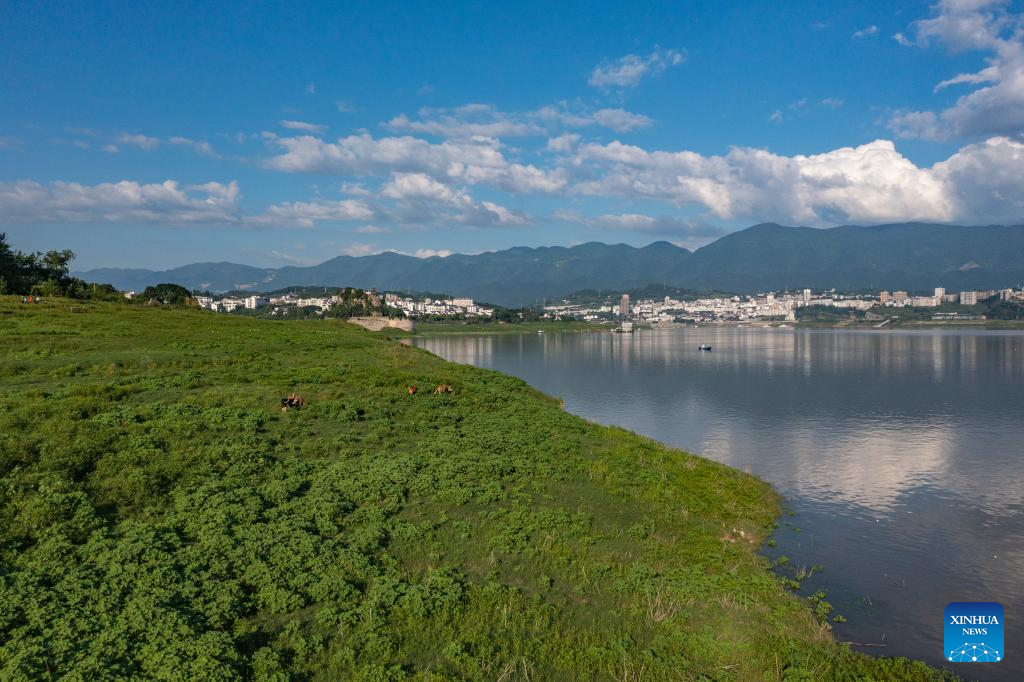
776 116
371 229
484 120
111 148
311 88
344 107
833 102
563 143
472 120
866 32
628 71
141 141
872 183
620 120
422 199
476 161
901 39
995 103
126 201
200 147
431 253
313 128
307 213
355 189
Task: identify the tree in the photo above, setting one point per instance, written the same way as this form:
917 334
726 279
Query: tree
167 293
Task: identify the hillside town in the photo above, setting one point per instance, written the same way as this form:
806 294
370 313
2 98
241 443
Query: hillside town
773 306
406 305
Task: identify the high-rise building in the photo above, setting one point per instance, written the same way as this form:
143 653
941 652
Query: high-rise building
898 296
940 293
624 306
968 297
884 297
807 296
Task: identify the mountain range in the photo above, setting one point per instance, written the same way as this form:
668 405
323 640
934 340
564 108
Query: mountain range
911 256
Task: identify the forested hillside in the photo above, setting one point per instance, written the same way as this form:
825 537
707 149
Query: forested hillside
162 518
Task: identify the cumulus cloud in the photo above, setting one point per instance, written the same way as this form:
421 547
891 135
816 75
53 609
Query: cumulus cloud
871 183
620 120
475 161
776 116
471 120
141 141
629 71
314 128
432 253
995 103
486 121
563 143
148 143
119 202
308 213
833 102
866 32
200 147
421 198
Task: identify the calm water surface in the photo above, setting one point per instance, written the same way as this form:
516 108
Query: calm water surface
901 453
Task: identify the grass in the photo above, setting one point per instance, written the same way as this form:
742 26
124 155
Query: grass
161 518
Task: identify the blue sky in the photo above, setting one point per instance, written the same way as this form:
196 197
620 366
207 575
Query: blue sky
152 135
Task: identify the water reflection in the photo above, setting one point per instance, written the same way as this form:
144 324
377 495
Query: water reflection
901 452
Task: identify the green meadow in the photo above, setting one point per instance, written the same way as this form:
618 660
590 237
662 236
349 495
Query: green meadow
162 518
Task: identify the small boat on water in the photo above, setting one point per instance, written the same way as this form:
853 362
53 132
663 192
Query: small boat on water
540 331
703 347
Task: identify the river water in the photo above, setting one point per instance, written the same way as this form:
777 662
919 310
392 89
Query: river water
899 454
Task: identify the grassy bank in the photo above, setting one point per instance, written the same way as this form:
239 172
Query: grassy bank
160 517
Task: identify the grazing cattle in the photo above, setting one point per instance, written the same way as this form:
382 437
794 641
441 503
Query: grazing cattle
412 390
444 388
293 401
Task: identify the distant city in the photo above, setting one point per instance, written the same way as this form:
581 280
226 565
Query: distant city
410 306
773 306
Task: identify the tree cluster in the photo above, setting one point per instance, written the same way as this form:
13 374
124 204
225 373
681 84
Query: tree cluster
44 274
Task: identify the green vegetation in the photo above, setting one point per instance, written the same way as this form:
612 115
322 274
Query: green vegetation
167 294
162 518
45 274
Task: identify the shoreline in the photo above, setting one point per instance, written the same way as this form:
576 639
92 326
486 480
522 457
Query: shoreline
487 500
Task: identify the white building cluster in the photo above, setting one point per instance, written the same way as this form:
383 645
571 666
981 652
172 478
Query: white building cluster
768 306
414 307
410 305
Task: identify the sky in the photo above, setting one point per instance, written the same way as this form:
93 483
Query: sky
153 135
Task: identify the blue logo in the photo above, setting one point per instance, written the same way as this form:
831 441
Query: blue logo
974 632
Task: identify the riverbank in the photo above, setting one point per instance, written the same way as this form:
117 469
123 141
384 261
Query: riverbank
372 534
439 328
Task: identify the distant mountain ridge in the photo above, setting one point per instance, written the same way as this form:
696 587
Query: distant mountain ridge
912 256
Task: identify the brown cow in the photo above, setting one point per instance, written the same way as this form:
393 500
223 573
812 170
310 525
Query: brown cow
294 400
444 388
412 390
